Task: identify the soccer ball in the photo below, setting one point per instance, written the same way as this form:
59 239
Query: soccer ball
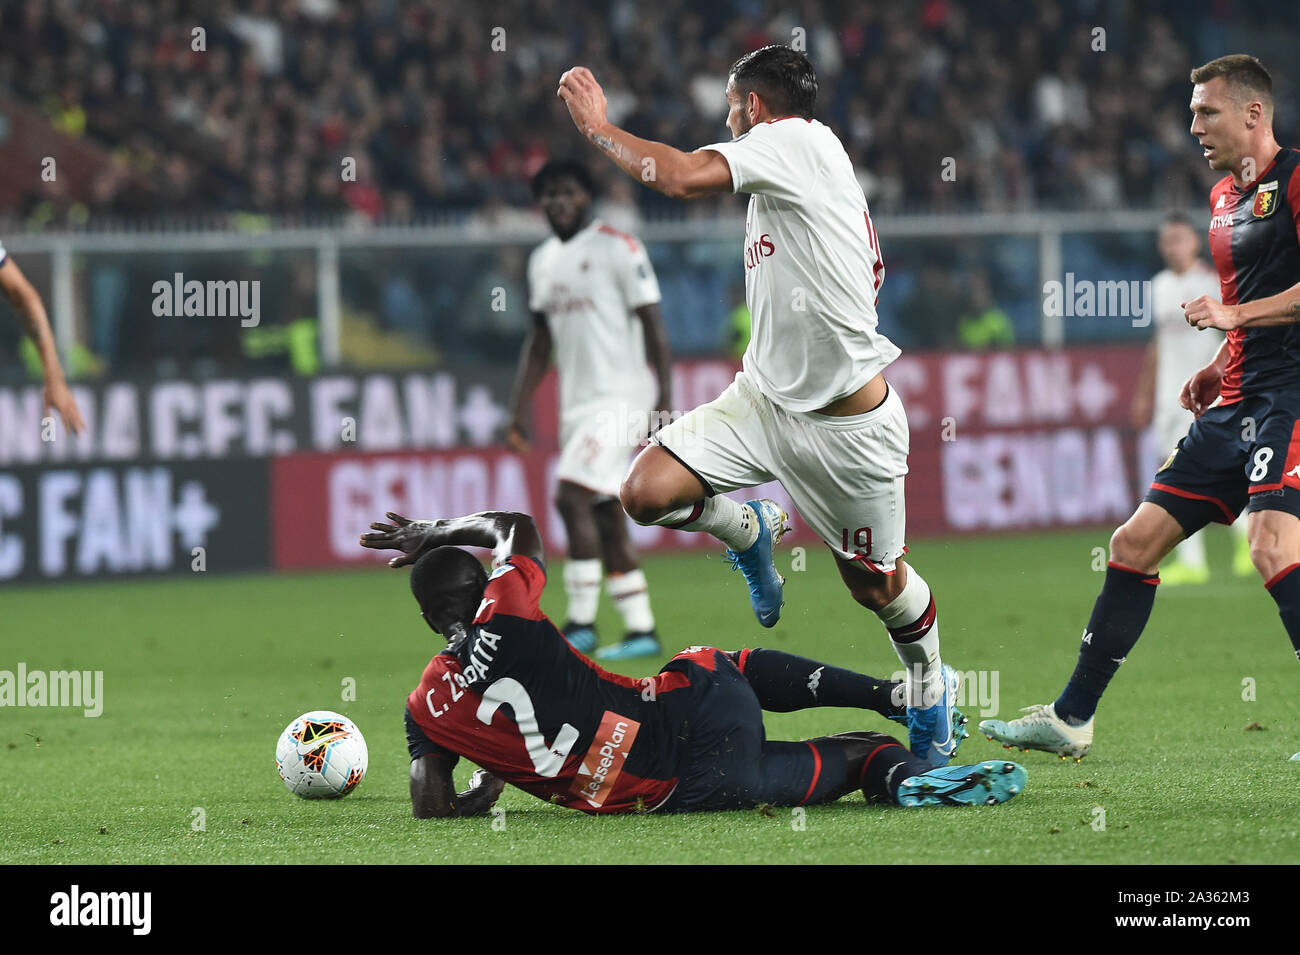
321 755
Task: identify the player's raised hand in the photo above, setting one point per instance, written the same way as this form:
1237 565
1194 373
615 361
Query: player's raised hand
585 99
1200 390
403 534
1205 312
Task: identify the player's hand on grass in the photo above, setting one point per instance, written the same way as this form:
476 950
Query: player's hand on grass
517 439
59 397
585 99
484 790
1205 312
403 534
1201 389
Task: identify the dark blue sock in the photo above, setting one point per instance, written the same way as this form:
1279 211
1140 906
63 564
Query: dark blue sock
1118 619
1285 588
885 769
784 682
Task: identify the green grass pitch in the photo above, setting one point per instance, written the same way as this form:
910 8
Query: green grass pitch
200 676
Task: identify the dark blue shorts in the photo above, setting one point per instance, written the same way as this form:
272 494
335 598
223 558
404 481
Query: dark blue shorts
729 762
1242 455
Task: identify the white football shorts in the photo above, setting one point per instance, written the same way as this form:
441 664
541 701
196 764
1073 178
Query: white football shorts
844 474
597 442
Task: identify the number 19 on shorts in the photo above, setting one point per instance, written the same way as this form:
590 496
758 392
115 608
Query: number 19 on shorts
861 541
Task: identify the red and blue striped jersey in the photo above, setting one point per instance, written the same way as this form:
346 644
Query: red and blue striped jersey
1255 242
518 700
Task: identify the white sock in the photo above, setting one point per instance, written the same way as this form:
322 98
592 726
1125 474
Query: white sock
582 584
736 525
907 615
1191 552
632 598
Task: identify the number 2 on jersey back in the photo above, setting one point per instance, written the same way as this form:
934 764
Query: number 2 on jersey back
548 760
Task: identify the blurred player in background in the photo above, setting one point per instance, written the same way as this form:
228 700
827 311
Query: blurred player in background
511 695
1175 353
31 311
595 304
811 408
1243 449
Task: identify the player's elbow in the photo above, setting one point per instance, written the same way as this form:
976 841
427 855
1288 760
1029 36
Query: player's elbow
677 189
681 187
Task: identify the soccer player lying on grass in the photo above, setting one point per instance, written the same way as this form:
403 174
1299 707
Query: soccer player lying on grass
512 695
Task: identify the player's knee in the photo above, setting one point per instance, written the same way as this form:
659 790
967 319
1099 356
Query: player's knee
1130 547
570 501
639 500
1268 556
871 589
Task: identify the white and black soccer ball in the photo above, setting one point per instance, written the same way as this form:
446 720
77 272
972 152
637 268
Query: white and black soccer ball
321 755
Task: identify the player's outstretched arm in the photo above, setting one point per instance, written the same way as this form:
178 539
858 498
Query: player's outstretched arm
676 174
660 357
433 795
27 303
534 361
505 532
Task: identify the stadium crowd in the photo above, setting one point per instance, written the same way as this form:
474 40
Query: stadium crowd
445 109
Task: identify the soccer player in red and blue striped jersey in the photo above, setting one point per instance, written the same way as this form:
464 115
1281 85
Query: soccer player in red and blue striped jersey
1243 449
512 695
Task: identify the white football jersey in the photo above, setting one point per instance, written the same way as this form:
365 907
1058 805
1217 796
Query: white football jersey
1180 349
589 289
813 267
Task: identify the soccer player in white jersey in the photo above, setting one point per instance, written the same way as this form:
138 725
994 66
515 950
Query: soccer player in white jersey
1174 354
595 303
26 301
811 407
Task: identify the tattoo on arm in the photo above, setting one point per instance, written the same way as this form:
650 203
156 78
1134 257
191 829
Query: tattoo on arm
1293 311
604 142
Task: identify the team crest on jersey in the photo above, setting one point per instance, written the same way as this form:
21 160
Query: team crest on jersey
1265 200
1169 460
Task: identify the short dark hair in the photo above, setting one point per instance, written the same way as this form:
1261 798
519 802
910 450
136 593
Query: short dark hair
1178 217
556 169
1244 75
783 78
448 582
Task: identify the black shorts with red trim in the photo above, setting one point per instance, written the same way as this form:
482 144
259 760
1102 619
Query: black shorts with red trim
1242 455
418 743
730 764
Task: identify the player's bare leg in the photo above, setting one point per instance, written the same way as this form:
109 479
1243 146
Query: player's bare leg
659 489
626 585
1275 552
657 485
1065 727
582 571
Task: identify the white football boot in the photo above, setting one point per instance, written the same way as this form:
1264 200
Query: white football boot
1042 729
